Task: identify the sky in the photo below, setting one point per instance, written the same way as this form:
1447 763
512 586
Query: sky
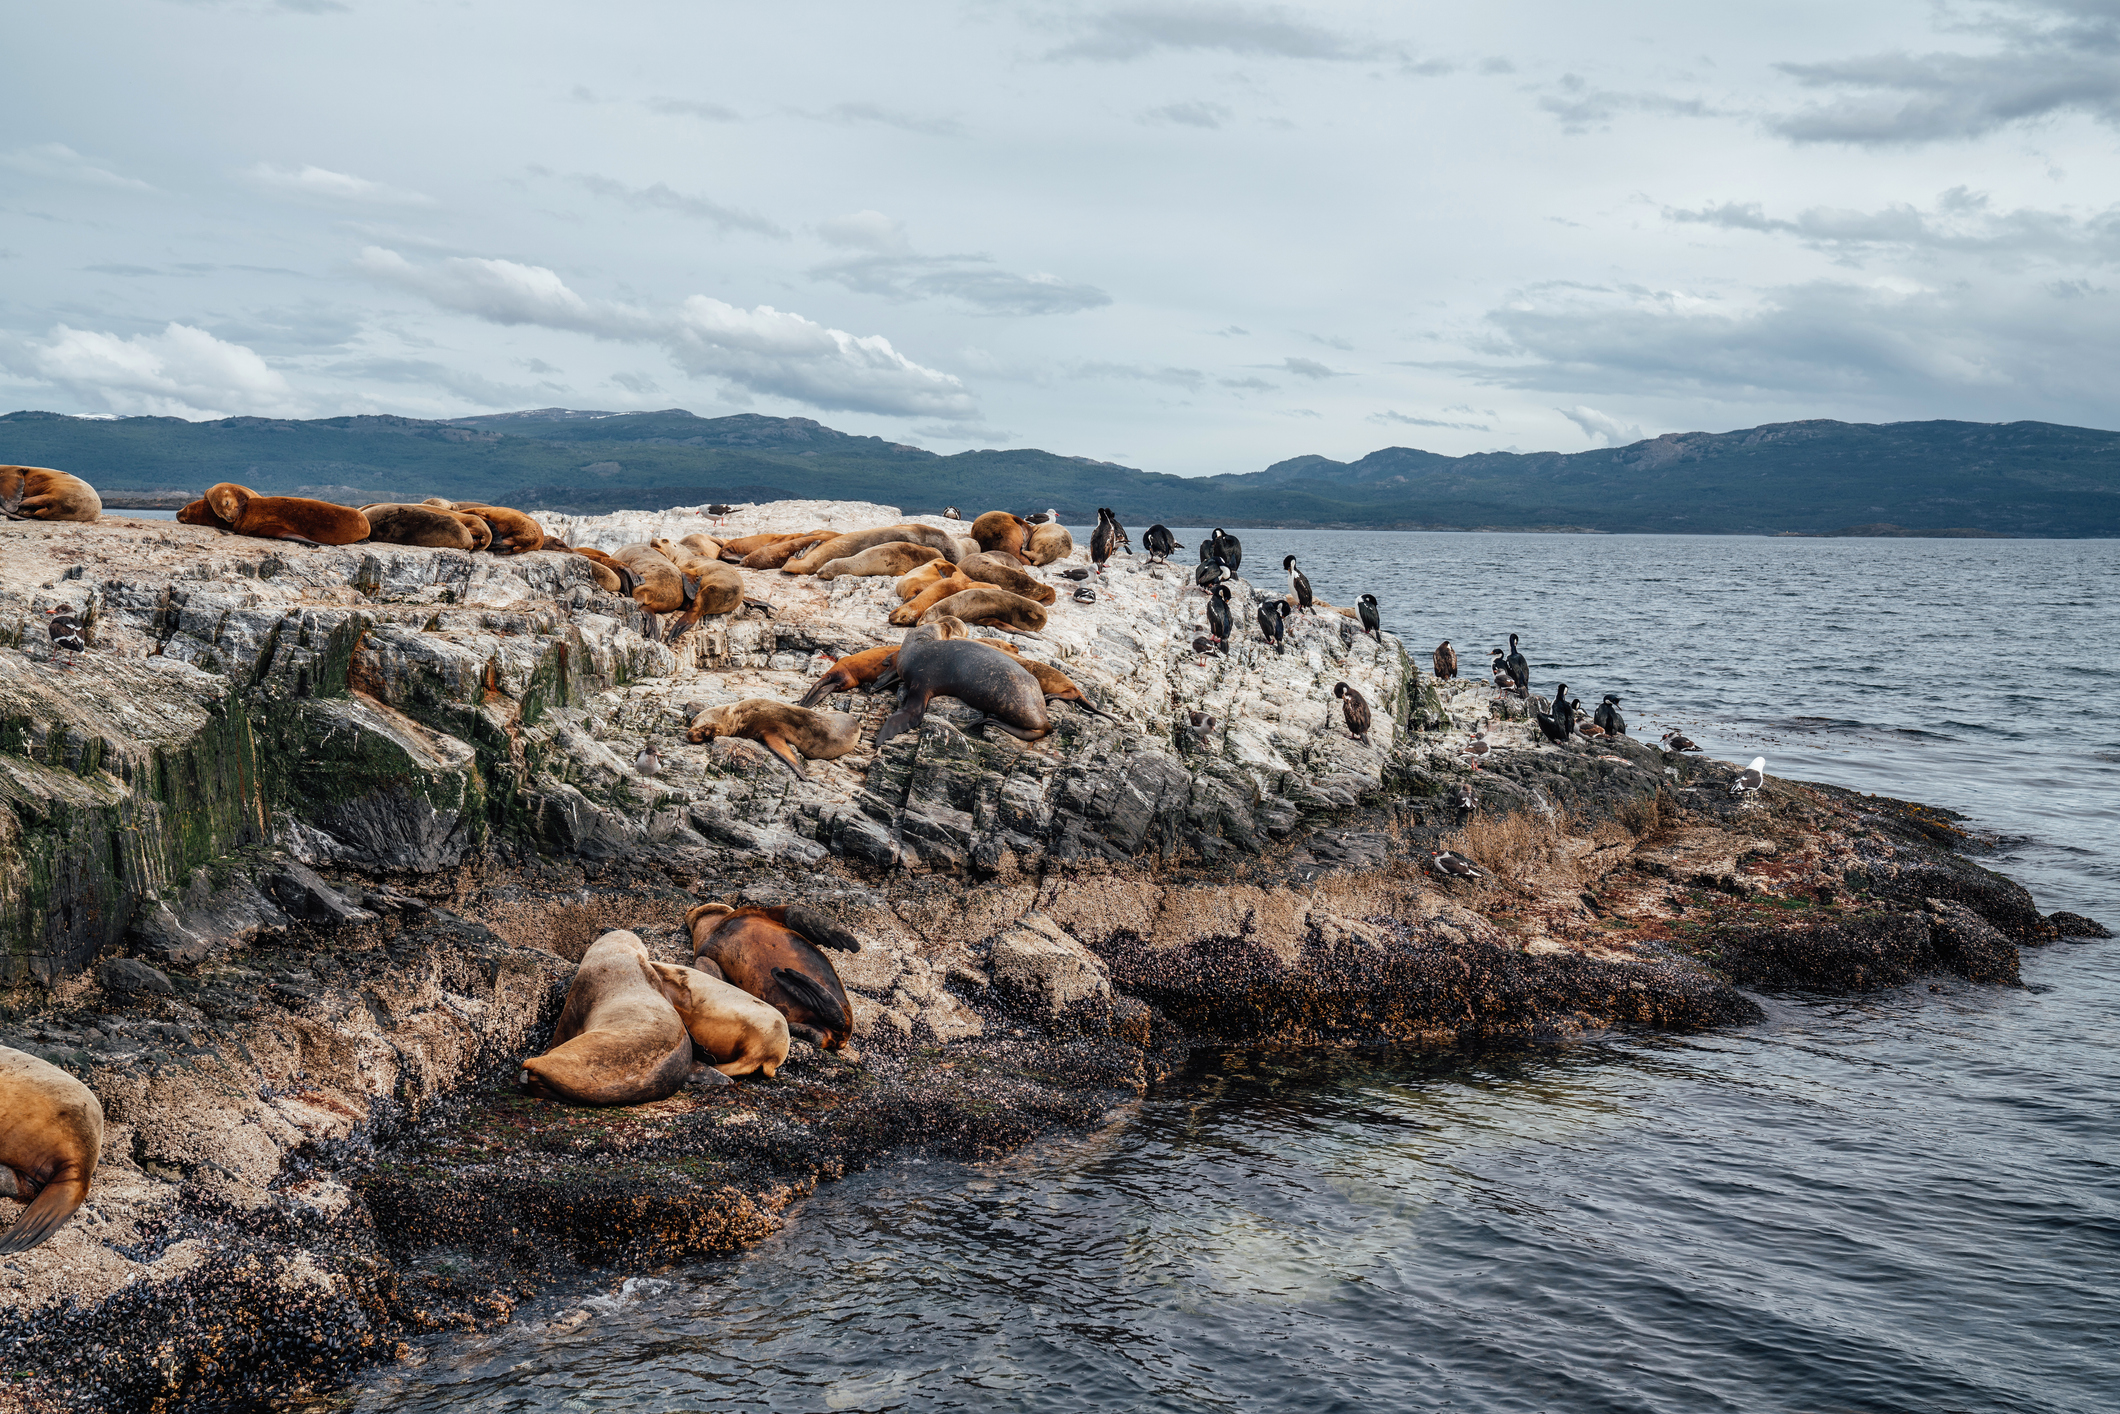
1188 237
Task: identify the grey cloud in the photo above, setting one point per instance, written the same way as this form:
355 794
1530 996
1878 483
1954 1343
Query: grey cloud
57 160
896 271
1331 342
1257 31
853 114
1579 107
1309 368
639 384
122 269
1189 115
1409 421
692 108
1190 379
1962 222
1233 331
660 197
471 387
1248 384
964 432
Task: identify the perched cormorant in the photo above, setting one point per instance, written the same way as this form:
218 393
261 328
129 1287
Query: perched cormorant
1608 717
1273 622
1219 618
1229 548
1456 866
1504 680
1751 778
1298 585
1519 667
1203 645
1104 539
1678 741
1211 573
1159 542
1372 621
1444 661
1355 708
1467 804
1559 724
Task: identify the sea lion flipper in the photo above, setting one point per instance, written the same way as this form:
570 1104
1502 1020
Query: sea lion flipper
703 963
906 717
819 929
779 747
43 1217
812 998
1018 732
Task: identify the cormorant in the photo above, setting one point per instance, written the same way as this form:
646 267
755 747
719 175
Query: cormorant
1219 619
1356 709
1273 621
1608 717
1372 621
1229 548
1519 667
1159 542
950 513
1504 680
1558 725
1444 661
1104 539
1298 585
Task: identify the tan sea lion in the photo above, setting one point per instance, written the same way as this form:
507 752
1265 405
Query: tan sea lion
606 577
226 498
788 731
990 605
708 547
514 533
480 530
776 955
1005 572
294 518
894 558
200 513
1056 685
40 493
908 613
914 581
1049 543
51 1136
620 579
856 670
618 1040
999 530
770 552
393 523
980 677
855 541
662 587
739 1033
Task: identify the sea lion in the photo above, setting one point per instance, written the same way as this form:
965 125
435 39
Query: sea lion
393 523
662 587
770 552
893 557
852 542
738 1032
990 605
1048 543
622 580
1004 572
606 578
908 613
914 581
294 518
790 732
514 533
51 1135
776 955
980 677
705 546
200 513
40 493
618 1040
999 530
856 670
1056 685
481 530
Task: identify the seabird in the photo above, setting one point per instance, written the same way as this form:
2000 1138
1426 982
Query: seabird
1678 741
1045 517
1159 542
1204 645
1108 537
1273 621
66 637
1519 668
1477 749
1504 681
1355 708
1751 778
1467 803
1444 661
1210 574
1298 584
1074 574
1219 618
720 512
1372 621
950 513
1608 717
1228 549
1085 595
648 763
1558 725
1456 866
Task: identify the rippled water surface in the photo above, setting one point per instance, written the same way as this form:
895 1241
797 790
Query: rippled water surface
1903 1202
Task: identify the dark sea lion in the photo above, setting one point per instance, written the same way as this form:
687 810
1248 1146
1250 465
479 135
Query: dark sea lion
51 1136
739 1033
790 732
200 513
851 673
41 493
1048 544
294 518
393 523
662 586
514 532
1056 685
618 1040
914 581
990 605
989 567
999 530
980 677
908 613
853 542
894 557
776 955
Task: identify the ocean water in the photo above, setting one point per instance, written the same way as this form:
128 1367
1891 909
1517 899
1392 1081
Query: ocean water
1908 1201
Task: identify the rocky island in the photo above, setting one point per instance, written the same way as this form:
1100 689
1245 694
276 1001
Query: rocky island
298 853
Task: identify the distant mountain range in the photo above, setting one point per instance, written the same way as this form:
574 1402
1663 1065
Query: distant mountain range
1807 478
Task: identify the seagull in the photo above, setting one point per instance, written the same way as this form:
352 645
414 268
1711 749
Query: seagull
720 513
1478 748
1047 517
1678 741
66 635
648 763
1085 595
950 513
1751 778
1456 866
1074 574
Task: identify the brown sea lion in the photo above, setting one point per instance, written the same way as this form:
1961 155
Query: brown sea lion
294 518
988 681
618 1040
790 732
662 587
908 613
992 606
999 530
606 577
621 580
393 523
1048 544
200 513
514 533
481 531
776 954
40 493
739 1033
1056 685
1007 573
912 582
770 552
855 541
894 558
51 1135
705 546
848 674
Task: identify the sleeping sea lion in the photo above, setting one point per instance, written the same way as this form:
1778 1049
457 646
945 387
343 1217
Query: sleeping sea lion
51 1135
914 581
704 546
788 731
999 530
200 513
990 605
662 588
514 533
738 1032
480 531
895 557
1056 685
621 580
294 518
1048 543
1006 573
908 613
393 523
980 677
856 670
718 588
776 955
40 493
855 541
618 1040
780 549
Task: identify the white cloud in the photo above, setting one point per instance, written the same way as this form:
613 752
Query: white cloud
1189 115
323 184
762 350
56 159
1601 428
660 197
895 271
180 372
1252 31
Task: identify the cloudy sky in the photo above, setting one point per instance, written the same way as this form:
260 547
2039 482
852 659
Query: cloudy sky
1191 237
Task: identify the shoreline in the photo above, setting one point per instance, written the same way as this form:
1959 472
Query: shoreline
311 1155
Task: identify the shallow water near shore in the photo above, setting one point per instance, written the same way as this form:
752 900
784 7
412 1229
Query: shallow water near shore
1904 1201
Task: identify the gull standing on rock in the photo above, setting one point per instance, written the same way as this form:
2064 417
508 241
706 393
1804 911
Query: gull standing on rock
66 637
1751 778
1457 866
648 763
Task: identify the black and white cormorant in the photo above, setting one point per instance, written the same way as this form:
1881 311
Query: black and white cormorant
1504 680
950 513
1519 666
1229 548
1298 585
1608 717
1355 708
1159 542
1273 622
1559 724
1104 539
1219 618
1372 620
